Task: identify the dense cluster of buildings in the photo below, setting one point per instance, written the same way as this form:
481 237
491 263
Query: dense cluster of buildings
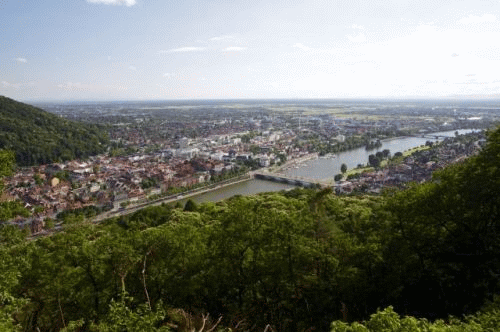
113 181
415 168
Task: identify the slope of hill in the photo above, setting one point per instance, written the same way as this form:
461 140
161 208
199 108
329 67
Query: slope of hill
38 137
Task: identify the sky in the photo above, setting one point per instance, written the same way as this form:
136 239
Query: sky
232 49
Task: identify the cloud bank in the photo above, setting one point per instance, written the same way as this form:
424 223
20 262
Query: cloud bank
219 38
473 19
301 46
358 38
184 49
234 49
11 85
127 3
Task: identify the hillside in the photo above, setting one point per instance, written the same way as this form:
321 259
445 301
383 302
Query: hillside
39 137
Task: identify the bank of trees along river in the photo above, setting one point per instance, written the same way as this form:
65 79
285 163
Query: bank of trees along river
328 168
286 261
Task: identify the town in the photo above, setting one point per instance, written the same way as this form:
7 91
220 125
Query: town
159 152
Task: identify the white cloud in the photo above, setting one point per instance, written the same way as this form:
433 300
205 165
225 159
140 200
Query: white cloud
11 85
234 49
184 49
355 26
72 86
168 75
473 19
358 38
127 3
109 57
23 60
88 88
219 38
302 47
132 68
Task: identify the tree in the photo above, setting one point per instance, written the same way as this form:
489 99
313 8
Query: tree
10 265
49 223
338 177
9 210
373 161
388 320
282 157
122 318
38 179
255 149
343 168
190 206
7 163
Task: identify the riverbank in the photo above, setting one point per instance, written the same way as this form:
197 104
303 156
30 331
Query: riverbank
294 163
204 190
243 185
326 169
173 198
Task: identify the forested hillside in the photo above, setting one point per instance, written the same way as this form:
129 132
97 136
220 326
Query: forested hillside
290 261
38 137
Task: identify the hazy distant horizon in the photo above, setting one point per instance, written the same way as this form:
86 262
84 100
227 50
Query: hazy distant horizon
464 98
332 101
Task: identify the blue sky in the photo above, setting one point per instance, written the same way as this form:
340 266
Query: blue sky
204 49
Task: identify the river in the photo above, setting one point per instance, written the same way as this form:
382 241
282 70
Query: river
327 168
250 187
317 168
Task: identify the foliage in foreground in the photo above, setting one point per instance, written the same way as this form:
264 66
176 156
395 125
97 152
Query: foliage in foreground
487 320
290 261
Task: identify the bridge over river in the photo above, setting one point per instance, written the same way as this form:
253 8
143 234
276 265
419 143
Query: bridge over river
294 180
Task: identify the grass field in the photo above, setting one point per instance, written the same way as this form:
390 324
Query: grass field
353 171
385 162
415 149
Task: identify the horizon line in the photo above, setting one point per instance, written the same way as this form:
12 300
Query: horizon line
407 98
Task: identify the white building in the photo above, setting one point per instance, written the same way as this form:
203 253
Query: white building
187 153
264 161
183 143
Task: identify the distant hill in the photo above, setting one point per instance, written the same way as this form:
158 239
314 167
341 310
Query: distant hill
38 137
